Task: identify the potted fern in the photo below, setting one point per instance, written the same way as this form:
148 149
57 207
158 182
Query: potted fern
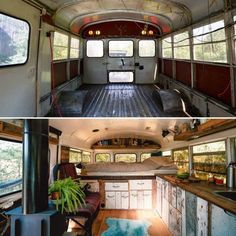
67 194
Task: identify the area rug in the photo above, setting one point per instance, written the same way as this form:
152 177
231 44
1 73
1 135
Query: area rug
124 227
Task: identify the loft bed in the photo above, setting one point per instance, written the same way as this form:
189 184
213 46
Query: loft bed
149 167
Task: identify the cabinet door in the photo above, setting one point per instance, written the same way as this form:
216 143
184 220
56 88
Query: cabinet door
118 200
159 198
110 200
165 211
191 214
125 200
202 217
180 202
140 200
174 221
147 199
133 199
222 223
173 196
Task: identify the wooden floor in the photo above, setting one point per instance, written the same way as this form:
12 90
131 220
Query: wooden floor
157 228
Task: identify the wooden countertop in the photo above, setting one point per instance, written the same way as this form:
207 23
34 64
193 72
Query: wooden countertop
115 177
206 191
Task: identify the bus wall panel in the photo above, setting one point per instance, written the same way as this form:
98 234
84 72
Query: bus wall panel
183 72
197 100
214 81
60 73
74 69
17 84
168 71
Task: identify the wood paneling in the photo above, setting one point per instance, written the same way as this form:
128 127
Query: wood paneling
214 81
168 71
74 69
183 72
60 73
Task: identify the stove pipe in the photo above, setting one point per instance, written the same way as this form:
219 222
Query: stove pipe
35 166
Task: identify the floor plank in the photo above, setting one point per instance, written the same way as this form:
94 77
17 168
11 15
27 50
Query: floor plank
157 228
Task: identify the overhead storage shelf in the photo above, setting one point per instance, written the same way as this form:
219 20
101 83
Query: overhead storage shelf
210 127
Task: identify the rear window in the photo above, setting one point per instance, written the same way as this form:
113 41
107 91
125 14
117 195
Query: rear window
14 41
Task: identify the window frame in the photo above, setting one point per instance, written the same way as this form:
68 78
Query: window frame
155 47
181 46
78 49
184 162
146 158
171 47
86 47
210 43
209 153
118 153
68 48
122 40
102 153
28 42
15 141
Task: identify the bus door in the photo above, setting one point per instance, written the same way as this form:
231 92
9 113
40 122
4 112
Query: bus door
145 62
95 63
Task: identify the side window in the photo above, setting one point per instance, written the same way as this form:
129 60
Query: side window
210 43
103 157
76 155
10 166
166 47
147 48
94 48
145 156
125 157
60 46
14 41
74 48
181 158
181 46
121 48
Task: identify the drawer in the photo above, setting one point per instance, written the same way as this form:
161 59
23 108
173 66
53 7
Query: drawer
116 186
140 184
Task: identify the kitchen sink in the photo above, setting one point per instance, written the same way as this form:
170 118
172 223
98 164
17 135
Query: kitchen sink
230 195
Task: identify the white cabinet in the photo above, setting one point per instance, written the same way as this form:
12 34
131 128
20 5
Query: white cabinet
159 196
124 200
133 200
140 194
117 196
110 200
165 211
175 221
180 204
140 184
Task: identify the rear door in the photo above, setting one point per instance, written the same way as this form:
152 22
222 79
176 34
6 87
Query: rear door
120 61
95 63
146 62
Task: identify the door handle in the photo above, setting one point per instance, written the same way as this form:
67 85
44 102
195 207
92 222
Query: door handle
123 62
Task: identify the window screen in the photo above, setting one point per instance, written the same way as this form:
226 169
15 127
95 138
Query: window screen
14 41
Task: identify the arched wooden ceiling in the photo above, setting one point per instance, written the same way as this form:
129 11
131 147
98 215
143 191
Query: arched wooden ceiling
168 15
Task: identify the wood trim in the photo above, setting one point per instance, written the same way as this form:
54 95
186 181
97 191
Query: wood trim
210 127
17 132
126 147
